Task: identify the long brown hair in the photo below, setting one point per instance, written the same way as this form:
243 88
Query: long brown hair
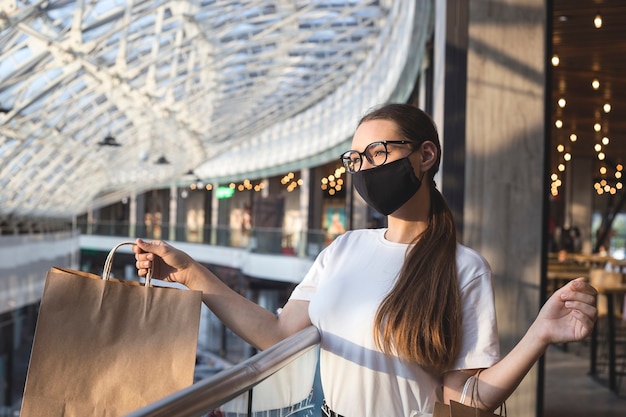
420 319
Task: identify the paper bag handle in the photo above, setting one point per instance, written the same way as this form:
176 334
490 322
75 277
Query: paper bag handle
108 264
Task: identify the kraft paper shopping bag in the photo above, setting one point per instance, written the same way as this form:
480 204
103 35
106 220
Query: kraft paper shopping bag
105 347
459 409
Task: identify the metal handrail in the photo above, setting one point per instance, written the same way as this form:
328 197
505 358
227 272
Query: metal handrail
210 393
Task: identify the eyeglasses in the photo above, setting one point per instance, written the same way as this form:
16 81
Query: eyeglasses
376 154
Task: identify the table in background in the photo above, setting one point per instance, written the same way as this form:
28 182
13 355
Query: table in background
610 293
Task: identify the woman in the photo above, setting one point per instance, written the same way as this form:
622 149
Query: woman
406 314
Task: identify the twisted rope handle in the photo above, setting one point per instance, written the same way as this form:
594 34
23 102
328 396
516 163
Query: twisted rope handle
108 264
473 380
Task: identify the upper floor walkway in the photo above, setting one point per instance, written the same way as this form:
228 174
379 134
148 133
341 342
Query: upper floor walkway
260 254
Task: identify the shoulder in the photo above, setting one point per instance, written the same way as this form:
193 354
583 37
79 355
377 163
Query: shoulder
471 265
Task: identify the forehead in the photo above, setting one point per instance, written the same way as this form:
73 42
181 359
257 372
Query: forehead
374 130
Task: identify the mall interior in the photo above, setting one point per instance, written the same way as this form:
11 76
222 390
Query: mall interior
217 126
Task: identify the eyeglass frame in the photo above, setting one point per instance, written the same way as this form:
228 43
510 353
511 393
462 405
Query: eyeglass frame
345 160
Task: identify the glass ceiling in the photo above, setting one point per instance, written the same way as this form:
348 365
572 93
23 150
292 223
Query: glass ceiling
94 93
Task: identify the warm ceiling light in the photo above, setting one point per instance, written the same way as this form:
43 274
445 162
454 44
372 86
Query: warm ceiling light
573 137
618 175
601 156
560 147
602 170
595 83
597 127
597 147
554 177
567 156
558 124
619 167
555 60
606 108
597 21
561 167
562 102
605 141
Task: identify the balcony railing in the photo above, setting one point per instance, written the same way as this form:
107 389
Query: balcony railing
275 382
258 240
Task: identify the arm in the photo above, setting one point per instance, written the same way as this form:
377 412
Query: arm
256 325
567 316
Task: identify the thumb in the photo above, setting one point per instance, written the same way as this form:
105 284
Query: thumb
155 247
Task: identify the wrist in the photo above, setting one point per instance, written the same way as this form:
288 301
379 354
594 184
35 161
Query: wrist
539 336
191 276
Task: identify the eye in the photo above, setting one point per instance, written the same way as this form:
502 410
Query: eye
379 152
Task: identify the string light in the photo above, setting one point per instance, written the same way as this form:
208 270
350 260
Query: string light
606 108
247 185
290 181
595 83
562 102
555 60
333 183
597 21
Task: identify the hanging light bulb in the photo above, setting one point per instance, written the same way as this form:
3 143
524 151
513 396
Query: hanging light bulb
555 60
597 21
607 108
562 102
595 83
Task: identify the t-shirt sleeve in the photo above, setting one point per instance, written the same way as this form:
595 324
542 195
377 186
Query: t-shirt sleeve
307 288
480 347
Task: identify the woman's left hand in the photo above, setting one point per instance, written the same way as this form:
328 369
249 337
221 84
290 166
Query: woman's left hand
570 313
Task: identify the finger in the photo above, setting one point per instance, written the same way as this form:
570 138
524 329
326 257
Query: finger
138 246
585 308
158 247
580 297
582 285
585 321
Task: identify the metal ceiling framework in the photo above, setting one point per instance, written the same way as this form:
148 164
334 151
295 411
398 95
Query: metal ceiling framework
228 89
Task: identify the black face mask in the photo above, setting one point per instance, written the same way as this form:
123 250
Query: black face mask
387 187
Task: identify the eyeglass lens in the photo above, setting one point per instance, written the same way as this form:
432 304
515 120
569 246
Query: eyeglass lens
376 154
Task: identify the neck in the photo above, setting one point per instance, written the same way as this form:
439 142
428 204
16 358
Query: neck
403 231
410 220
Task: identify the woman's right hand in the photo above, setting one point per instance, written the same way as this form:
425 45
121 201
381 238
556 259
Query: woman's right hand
165 261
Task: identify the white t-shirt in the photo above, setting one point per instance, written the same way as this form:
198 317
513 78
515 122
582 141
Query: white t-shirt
345 286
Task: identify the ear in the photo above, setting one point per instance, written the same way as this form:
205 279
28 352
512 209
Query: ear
429 154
